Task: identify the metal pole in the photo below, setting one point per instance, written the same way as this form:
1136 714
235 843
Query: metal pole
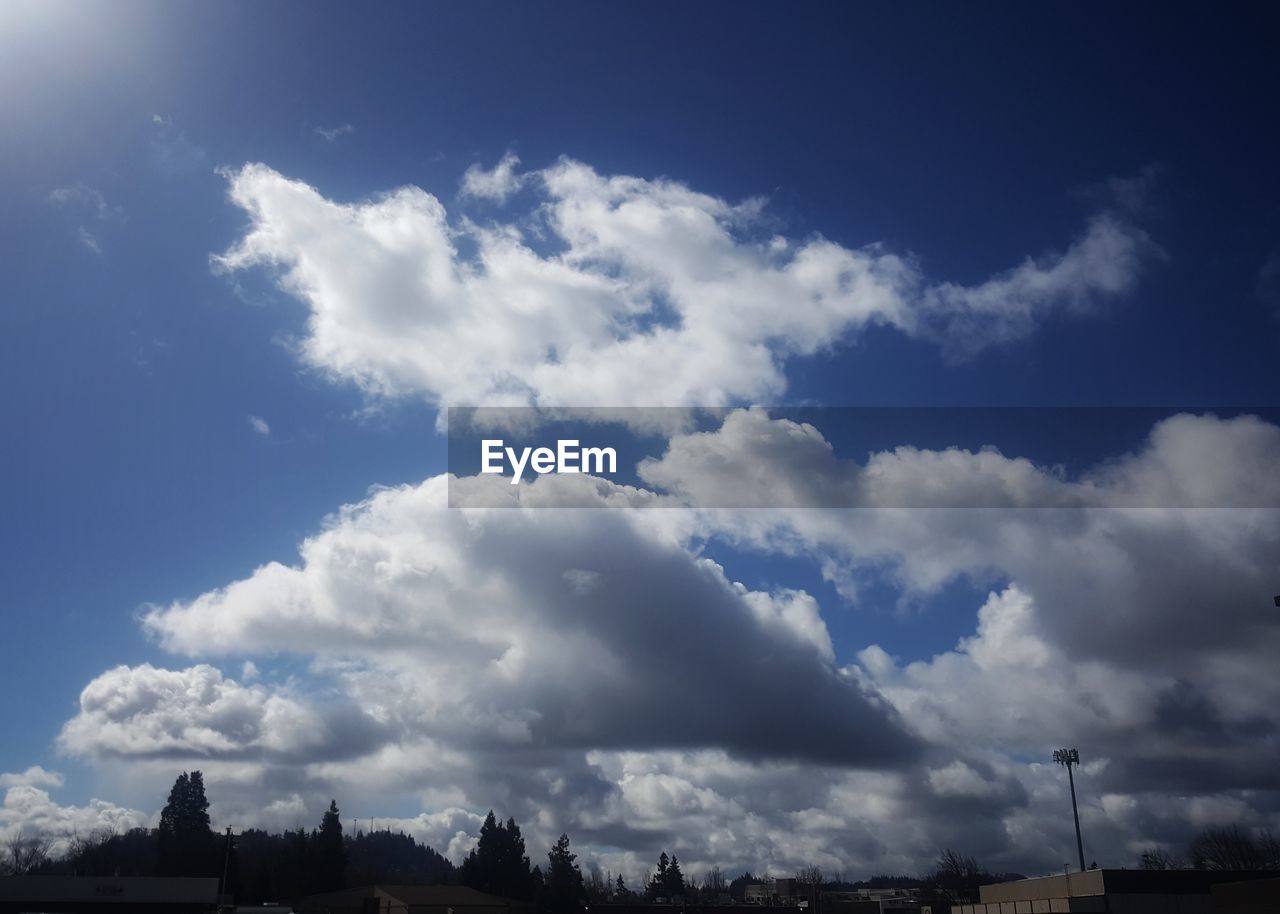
226 858
1074 812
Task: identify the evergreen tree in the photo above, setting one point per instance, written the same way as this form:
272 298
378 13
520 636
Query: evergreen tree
657 885
514 877
738 887
498 863
184 841
674 880
477 869
393 857
296 863
538 889
564 889
620 890
329 858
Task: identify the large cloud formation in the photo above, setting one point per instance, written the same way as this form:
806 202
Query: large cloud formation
596 671
591 670
1129 620
534 629
617 291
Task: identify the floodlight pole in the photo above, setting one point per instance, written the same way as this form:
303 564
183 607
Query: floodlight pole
1076 815
1069 757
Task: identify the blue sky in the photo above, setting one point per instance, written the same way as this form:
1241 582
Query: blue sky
964 140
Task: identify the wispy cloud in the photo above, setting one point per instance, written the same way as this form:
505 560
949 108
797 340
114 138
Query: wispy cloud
82 196
89 240
259 425
331 134
86 201
172 152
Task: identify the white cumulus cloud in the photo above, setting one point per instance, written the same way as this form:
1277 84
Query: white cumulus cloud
35 776
615 290
29 811
498 183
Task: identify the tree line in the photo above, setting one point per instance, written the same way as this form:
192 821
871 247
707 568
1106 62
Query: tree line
1220 848
256 866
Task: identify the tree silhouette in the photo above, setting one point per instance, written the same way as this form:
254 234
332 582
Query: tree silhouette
810 875
329 857
393 857
812 879
184 841
657 885
281 867
1232 849
1155 858
958 876
713 883
598 885
738 887
498 863
674 882
564 889
23 853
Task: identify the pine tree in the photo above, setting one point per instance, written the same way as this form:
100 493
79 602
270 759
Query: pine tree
480 866
513 875
538 889
184 841
329 858
657 887
498 864
674 880
564 879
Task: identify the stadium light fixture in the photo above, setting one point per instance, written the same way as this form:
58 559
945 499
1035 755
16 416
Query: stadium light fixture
1070 757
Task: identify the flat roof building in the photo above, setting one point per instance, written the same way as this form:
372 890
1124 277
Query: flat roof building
1113 891
410 899
108 895
1257 896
